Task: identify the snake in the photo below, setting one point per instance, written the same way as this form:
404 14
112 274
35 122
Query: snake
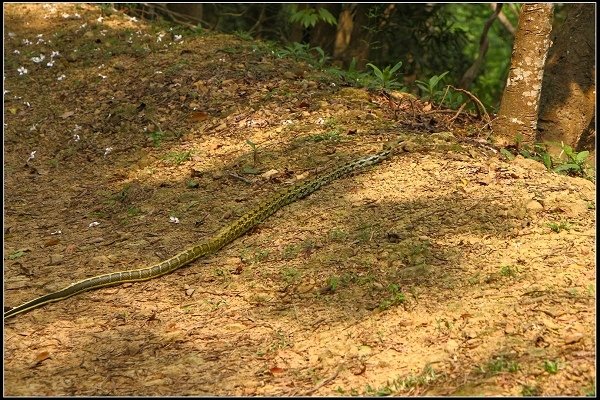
224 236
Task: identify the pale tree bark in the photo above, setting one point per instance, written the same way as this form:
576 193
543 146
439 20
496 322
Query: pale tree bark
352 39
344 29
516 122
568 101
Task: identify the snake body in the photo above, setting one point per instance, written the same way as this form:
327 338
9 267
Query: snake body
223 237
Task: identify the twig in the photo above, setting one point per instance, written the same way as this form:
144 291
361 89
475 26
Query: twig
241 178
474 99
504 20
457 113
325 381
156 123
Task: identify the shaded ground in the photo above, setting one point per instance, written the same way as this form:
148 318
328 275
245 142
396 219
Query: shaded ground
442 272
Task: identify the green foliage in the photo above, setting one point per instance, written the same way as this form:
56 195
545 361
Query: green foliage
429 88
333 135
500 364
308 17
303 52
178 157
551 366
252 169
528 391
575 164
386 77
509 271
396 297
426 377
352 76
557 227
157 137
16 254
243 35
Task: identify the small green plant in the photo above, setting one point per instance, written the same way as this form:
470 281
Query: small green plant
16 254
557 227
178 157
429 88
290 251
396 297
192 184
551 367
122 196
427 376
500 364
382 391
243 35
590 390
337 235
333 283
331 135
291 275
509 271
157 137
352 75
254 153
260 255
133 211
575 164
386 77
528 391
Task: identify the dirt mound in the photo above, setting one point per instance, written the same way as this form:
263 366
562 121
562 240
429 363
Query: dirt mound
449 271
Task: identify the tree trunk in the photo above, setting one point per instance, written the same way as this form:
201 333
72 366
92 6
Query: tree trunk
568 101
344 30
517 118
355 44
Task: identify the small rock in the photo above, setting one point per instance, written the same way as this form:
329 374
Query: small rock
190 292
451 346
573 337
56 259
509 329
218 175
529 164
101 260
364 350
270 173
534 206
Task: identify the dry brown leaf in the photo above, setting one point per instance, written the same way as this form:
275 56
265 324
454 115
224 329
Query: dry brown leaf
276 370
197 116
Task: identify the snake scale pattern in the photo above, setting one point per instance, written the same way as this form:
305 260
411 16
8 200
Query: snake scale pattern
223 237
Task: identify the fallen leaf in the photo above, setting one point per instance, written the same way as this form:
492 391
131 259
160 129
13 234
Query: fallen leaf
44 355
67 114
276 370
52 242
197 116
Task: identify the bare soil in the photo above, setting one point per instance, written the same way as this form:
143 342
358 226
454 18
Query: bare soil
443 272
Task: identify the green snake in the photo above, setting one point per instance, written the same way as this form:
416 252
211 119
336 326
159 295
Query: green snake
223 237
